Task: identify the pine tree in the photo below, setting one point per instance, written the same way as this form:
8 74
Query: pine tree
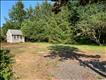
17 14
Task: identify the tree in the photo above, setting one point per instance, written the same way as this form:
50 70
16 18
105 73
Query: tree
29 13
47 26
8 25
74 20
37 23
92 23
1 35
17 14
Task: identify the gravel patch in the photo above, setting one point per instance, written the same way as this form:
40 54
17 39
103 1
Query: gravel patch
71 70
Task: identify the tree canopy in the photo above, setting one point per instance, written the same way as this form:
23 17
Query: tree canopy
65 21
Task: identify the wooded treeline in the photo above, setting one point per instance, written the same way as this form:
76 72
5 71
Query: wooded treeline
67 21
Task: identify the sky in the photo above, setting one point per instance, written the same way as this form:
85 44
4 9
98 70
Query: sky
6 5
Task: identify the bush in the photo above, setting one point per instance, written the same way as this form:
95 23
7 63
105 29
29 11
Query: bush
5 65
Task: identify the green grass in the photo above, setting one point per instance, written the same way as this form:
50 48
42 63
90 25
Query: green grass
43 47
92 48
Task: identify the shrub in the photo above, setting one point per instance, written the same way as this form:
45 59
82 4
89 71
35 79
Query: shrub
5 65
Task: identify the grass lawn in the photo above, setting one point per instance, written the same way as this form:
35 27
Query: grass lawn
44 46
95 49
30 61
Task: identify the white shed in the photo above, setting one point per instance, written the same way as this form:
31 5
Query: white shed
15 36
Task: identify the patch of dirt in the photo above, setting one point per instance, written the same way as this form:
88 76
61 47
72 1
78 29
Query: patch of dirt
103 57
30 66
24 66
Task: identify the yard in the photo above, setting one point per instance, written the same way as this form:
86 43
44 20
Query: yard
44 61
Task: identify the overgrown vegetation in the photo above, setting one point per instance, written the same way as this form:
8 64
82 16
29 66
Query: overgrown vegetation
76 21
5 65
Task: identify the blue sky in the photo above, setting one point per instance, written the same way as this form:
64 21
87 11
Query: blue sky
6 5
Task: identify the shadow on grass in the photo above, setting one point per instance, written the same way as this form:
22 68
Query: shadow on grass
67 52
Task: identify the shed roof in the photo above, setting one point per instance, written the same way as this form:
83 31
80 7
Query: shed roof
15 32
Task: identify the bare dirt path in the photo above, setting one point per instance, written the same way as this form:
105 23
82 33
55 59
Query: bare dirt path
31 66
25 66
